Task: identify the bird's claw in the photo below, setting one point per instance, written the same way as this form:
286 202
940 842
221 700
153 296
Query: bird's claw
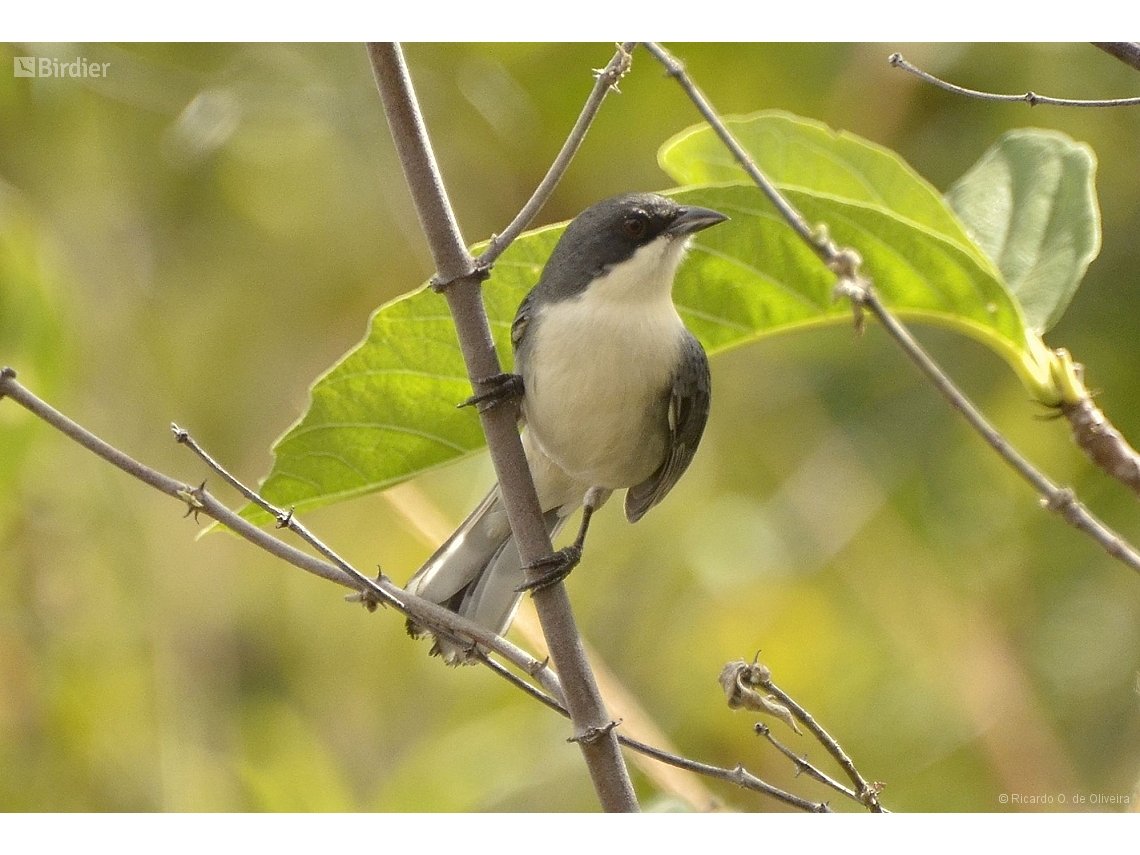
555 567
497 389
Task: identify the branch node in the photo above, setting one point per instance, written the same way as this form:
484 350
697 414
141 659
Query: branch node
284 520
367 598
673 67
1031 98
871 792
181 435
593 734
478 272
483 265
1062 501
802 765
194 497
612 74
845 263
858 291
6 373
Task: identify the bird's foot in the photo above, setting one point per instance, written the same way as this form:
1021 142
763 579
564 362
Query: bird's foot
555 567
497 389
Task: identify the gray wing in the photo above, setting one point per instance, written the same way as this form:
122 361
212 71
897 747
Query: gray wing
688 411
520 341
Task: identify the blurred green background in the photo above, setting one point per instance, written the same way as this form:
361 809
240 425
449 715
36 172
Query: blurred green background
197 236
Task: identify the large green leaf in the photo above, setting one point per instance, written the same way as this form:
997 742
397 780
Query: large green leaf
1030 204
387 410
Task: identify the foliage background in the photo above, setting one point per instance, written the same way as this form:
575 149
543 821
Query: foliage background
196 237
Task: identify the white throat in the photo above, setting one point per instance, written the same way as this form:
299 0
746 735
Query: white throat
643 278
601 366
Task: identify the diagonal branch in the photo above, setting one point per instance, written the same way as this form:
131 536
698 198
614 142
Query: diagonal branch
1126 52
459 277
199 501
606 79
845 263
381 590
739 776
866 792
1060 500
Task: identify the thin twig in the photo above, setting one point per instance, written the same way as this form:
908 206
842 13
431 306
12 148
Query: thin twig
1126 52
866 793
802 764
739 776
1031 98
845 264
676 69
285 519
606 79
1060 500
459 278
199 501
740 680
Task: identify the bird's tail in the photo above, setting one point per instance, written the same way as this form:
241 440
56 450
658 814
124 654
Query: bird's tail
476 573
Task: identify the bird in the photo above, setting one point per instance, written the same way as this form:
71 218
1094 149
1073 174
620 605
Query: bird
614 393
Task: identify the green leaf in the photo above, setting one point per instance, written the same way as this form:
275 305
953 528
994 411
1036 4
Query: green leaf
1030 203
387 410
924 264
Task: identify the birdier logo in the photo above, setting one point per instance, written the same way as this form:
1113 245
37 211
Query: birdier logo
49 66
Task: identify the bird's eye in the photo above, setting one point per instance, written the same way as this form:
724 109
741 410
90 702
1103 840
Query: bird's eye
635 225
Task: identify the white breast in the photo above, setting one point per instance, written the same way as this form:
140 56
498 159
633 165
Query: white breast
600 368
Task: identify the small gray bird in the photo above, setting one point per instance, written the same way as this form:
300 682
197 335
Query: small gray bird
615 395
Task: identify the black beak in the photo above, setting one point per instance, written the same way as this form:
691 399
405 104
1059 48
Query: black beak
692 219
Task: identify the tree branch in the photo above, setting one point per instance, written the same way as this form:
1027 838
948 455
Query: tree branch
606 79
739 681
459 277
1060 500
739 776
1103 443
866 793
845 263
1126 52
199 501
1031 98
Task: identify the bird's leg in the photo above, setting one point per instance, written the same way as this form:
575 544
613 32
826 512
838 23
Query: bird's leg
557 566
496 389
